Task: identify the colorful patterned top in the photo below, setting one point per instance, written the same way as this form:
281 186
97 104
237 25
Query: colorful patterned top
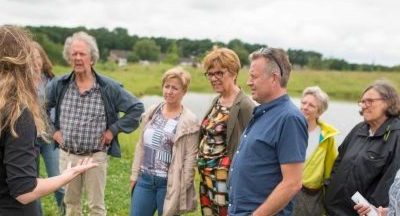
213 162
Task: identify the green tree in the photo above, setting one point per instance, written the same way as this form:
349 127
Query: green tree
53 50
147 49
239 48
172 55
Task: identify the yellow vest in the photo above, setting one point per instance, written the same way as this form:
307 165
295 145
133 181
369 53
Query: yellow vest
318 166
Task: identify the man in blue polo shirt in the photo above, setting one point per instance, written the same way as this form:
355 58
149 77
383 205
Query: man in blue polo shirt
267 168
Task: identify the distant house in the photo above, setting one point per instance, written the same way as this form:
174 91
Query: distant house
190 62
119 56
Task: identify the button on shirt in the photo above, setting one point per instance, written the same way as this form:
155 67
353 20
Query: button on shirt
82 119
277 134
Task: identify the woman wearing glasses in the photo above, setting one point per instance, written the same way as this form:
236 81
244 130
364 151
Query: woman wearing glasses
369 156
220 129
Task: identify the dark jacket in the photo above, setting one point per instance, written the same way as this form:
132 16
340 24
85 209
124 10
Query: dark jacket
367 164
115 100
240 114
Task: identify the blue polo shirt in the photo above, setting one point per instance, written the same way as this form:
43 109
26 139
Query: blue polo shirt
277 134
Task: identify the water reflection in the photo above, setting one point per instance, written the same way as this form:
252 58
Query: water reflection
343 115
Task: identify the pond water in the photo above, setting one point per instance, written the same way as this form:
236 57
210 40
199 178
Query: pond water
343 115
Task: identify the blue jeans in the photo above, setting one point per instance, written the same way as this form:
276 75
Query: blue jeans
50 154
148 195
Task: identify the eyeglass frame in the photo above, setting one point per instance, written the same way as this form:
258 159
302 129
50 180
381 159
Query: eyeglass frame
214 74
268 52
368 101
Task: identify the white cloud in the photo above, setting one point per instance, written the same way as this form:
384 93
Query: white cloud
362 31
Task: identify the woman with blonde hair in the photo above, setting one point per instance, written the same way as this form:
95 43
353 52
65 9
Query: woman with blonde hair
49 151
163 168
220 129
20 123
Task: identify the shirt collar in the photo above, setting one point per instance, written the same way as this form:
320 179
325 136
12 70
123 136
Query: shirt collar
262 108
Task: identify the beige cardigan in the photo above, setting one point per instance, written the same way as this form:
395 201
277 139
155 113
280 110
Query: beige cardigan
181 196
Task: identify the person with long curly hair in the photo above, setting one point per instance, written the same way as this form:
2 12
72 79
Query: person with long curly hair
21 121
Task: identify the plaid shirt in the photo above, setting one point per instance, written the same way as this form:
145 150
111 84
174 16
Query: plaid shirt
82 119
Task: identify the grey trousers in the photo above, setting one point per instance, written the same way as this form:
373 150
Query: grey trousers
309 204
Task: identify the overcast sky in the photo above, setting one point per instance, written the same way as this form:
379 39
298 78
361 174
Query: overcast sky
359 31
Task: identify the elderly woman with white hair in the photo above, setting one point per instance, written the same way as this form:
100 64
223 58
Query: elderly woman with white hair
320 155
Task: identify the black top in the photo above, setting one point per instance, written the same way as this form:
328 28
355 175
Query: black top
18 167
367 164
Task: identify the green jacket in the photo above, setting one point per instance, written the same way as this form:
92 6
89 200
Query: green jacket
318 167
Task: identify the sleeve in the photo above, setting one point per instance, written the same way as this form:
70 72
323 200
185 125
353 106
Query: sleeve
331 155
50 103
20 157
133 109
246 112
380 194
341 151
293 139
138 154
189 164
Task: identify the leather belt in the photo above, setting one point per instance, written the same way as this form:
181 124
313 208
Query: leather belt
79 153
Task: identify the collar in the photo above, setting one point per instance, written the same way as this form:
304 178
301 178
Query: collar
262 108
392 123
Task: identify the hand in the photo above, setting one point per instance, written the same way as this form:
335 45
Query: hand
82 166
57 136
362 209
107 137
133 183
383 211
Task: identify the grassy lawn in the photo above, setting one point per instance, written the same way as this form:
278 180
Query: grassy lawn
145 80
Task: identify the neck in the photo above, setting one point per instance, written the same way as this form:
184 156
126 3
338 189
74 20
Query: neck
312 124
84 77
84 81
278 93
172 107
228 97
374 125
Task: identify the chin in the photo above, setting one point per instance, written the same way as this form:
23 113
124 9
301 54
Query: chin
256 99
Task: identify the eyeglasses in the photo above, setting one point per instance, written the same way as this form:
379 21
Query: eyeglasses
368 101
268 52
217 74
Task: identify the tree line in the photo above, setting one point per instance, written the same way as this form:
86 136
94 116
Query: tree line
173 51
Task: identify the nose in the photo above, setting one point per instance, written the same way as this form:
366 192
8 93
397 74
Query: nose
249 82
168 90
213 78
362 106
77 56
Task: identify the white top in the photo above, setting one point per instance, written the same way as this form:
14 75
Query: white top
313 141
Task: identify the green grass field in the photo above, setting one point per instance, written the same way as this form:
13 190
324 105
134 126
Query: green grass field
145 80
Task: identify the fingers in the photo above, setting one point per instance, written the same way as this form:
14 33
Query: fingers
362 209
69 165
382 211
133 183
57 136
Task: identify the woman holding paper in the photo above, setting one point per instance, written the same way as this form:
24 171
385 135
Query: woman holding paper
368 157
